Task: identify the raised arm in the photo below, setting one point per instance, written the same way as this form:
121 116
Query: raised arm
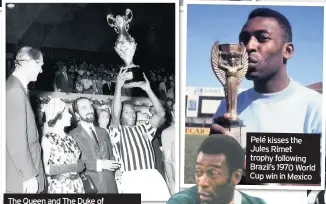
160 112
116 105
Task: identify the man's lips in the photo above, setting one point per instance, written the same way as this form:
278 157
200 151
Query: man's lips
252 62
252 59
205 196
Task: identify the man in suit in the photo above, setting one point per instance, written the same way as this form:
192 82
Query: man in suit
109 86
96 148
24 168
64 81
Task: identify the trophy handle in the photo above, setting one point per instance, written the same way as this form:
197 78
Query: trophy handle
111 20
129 15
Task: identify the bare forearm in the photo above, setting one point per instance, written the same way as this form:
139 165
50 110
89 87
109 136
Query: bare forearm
116 107
156 103
169 168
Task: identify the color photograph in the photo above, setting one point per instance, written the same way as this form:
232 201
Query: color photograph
251 67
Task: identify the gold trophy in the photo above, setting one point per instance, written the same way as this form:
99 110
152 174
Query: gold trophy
125 45
230 63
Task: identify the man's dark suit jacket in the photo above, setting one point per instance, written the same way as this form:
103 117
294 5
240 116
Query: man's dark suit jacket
104 180
108 90
23 149
63 85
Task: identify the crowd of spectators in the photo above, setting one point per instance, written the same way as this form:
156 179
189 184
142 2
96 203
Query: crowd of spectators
87 78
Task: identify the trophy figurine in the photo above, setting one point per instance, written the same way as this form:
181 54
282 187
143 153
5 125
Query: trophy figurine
230 63
125 45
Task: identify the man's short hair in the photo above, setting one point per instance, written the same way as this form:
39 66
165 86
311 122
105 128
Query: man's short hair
227 145
127 103
27 53
280 18
75 103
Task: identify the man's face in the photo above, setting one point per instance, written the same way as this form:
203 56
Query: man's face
35 67
213 179
263 38
128 116
85 110
64 69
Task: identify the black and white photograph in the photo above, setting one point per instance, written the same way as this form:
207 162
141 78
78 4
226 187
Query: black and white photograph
91 97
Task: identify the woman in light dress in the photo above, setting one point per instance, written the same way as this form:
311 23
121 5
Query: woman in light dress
104 121
60 151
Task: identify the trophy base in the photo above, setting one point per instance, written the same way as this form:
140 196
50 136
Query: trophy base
136 73
237 129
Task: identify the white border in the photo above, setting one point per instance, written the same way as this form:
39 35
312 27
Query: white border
183 68
3 74
3 103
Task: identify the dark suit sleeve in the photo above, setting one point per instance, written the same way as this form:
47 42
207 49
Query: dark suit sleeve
71 82
17 138
91 165
58 81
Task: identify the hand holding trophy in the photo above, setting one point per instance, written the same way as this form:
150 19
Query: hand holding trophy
125 45
230 63
145 85
122 77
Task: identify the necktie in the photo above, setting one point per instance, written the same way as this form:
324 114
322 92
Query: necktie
94 136
66 77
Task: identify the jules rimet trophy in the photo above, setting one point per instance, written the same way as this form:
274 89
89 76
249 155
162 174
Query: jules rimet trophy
230 64
125 45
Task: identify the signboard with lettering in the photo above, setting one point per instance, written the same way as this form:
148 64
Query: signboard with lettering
197 131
